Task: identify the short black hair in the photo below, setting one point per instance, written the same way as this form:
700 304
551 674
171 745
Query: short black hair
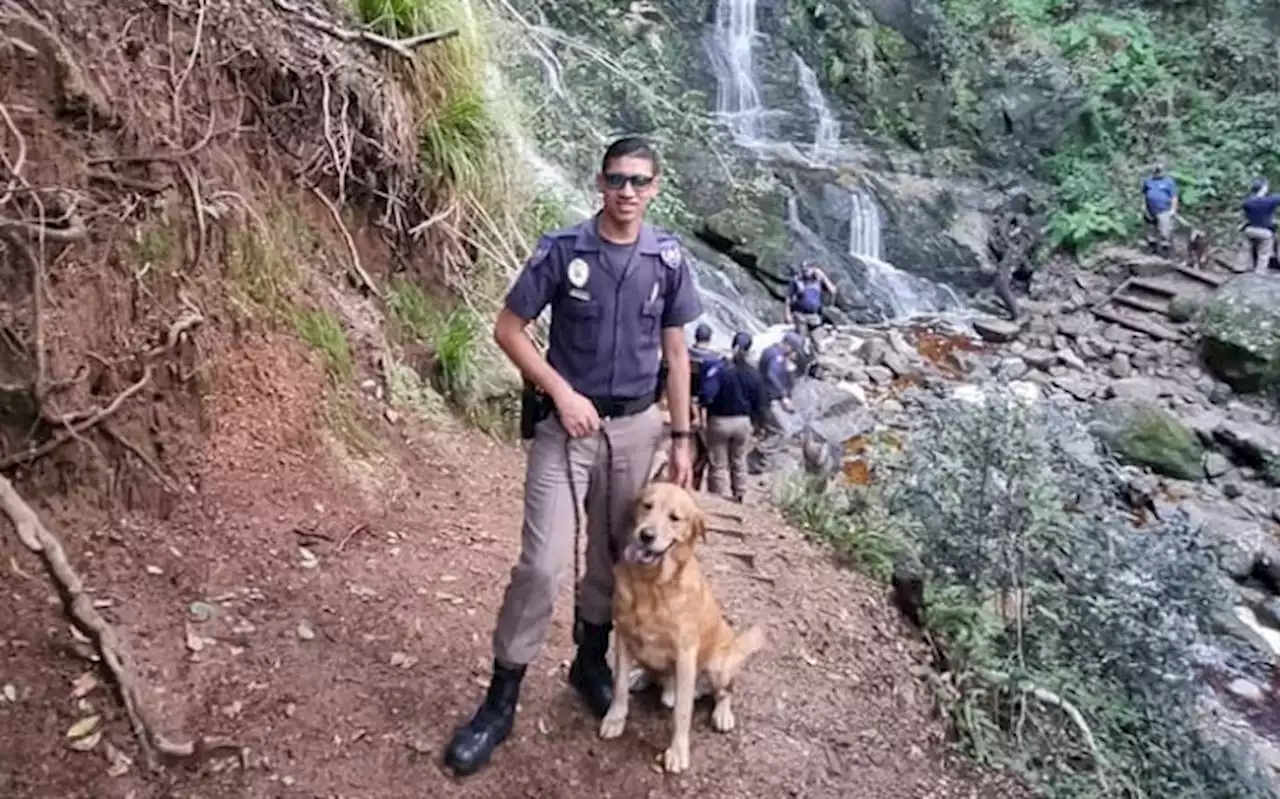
631 147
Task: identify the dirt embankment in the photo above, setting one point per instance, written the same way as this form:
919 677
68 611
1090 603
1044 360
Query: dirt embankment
187 189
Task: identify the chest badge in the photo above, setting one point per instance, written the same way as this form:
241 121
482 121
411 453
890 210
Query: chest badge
578 272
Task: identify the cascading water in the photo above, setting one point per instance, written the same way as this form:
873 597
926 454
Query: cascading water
738 103
731 49
864 226
894 285
826 133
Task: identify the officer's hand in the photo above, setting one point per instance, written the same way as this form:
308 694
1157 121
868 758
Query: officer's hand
577 415
680 468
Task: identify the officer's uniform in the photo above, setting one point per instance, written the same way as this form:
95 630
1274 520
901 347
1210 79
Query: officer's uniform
806 303
733 395
777 381
609 304
700 358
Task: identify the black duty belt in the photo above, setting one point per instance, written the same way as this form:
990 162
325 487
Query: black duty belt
617 407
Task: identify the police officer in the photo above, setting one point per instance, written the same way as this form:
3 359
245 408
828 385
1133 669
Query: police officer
701 356
733 398
804 298
620 293
776 374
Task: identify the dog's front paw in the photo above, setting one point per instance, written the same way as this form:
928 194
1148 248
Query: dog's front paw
676 758
722 717
613 724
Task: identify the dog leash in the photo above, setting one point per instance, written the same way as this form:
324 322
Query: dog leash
577 519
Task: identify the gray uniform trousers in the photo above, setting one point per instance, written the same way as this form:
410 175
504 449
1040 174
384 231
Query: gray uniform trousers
546 543
727 439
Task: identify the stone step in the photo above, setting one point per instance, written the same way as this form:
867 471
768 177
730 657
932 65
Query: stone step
1208 278
1162 287
1134 322
1141 304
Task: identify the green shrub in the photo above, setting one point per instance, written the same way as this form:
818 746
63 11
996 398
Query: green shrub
1041 597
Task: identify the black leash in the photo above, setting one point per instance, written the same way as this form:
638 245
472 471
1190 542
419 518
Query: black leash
577 520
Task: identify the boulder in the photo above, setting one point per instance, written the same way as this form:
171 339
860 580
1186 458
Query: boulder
1240 332
1252 445
995 330
1239 545
1183 308
1141 389
1145 435
1039 358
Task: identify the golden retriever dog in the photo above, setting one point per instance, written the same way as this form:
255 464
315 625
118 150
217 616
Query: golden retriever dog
667 622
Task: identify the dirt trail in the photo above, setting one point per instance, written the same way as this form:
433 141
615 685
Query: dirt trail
401 616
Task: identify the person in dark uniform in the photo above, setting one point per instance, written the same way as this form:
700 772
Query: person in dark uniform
620 294
733 398
804 298
1259 226
776 376
700 357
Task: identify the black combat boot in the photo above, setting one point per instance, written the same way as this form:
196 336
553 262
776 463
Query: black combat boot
590 673
474 742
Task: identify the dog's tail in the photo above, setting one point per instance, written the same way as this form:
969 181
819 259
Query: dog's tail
744 646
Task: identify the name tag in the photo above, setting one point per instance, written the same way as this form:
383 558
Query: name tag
580 294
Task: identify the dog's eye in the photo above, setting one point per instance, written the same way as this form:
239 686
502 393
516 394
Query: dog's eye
675 517
646 505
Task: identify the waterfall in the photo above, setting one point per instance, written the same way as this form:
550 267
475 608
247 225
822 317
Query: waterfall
826 132
733 37
906 294
864 226
731 49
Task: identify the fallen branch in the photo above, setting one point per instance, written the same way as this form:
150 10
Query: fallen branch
401 47
80 611
358 270
352 533
1047 697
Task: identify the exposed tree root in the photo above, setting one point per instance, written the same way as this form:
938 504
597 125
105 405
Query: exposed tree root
74 429
80 611
362 277
401 47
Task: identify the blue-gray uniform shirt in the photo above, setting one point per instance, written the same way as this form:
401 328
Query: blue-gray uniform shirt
773 370
609 304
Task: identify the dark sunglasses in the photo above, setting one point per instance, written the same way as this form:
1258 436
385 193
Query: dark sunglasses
616 180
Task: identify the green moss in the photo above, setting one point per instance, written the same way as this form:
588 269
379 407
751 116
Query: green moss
1155 438
323 332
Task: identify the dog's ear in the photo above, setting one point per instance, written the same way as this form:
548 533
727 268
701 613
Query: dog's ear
699 523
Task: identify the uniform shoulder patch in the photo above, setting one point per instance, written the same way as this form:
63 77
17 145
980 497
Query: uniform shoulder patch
672 254
540 251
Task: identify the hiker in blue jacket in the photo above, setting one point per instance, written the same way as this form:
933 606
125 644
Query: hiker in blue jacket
1259 226
732 396
1160 203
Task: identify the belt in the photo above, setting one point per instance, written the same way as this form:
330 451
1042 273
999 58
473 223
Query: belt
617 407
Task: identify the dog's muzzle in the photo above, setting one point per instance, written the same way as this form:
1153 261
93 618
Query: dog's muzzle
641 548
